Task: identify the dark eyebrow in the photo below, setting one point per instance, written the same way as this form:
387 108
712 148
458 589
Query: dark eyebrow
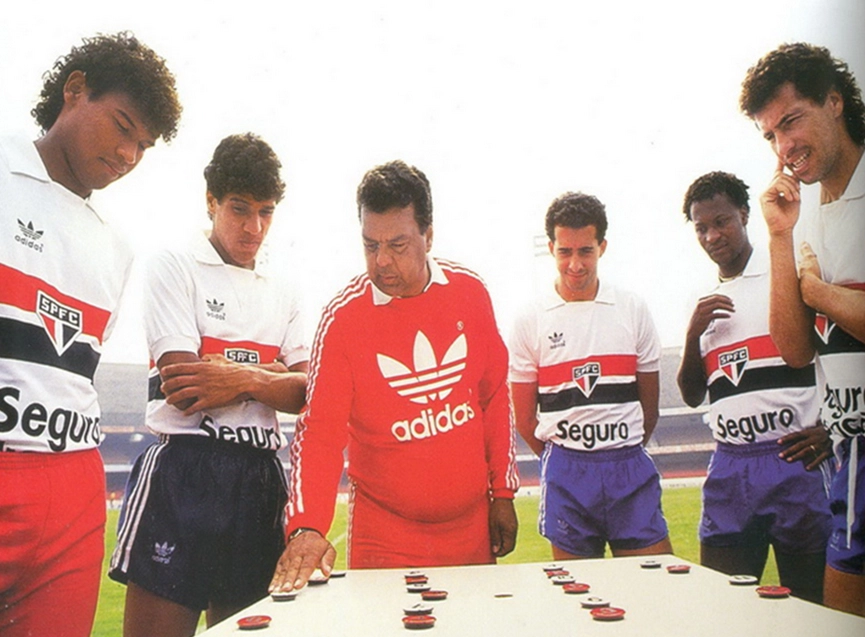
128 119
151 141
788 116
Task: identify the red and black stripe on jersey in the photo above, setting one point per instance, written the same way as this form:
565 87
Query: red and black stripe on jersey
263 354
601 392
754 378
831 339
31 342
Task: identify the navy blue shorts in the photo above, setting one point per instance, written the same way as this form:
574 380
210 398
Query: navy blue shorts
752 497
202 522
846 551
591 498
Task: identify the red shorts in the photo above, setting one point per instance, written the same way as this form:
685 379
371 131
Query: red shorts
52 512
378 538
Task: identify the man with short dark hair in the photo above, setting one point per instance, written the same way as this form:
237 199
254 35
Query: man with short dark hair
753 495
202 521
809 108
584 379
409 372
63 270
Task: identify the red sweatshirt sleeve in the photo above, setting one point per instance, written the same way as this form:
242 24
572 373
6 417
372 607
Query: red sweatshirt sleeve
321 434
498 417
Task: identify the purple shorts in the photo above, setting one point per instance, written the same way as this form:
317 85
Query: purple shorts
844 556
590 498
753 497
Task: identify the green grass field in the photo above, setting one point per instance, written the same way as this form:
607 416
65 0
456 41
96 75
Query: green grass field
681 507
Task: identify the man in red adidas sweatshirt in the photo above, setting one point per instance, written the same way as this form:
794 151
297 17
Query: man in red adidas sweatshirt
408 372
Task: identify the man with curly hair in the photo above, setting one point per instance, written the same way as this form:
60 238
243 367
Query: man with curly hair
63 271
809 108
763 486
202 520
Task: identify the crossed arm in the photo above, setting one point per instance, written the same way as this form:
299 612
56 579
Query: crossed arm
191 383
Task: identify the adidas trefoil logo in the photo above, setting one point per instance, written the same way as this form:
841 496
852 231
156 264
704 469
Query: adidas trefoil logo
28 230
29 236
557 339
215 309
162 552
430 379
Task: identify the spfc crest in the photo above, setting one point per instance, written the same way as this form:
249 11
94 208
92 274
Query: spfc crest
586 377
823 326
241 355
63 323
732 364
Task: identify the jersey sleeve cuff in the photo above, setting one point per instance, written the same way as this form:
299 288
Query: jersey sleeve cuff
173 343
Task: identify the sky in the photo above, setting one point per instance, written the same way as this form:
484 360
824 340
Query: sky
504 105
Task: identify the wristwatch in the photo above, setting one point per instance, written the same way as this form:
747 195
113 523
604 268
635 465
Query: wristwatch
298 531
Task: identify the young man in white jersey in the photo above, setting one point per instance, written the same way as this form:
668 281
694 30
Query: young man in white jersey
63 269
584 380
762 412
202 522
809 107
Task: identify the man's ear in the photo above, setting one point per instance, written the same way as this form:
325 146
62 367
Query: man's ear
75 87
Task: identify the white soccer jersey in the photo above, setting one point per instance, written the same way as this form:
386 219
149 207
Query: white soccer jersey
835 232
62 272
584 356
754 396
194 302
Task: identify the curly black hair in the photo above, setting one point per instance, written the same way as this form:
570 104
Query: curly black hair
813 72
115 63
396 185
244 164
717 183
576 210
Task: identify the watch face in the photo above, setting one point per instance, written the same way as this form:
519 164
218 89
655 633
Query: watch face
298 531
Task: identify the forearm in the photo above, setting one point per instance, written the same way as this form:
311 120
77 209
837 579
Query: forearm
501 453
648 391
691 377
525 403
844 306
316 465
284 391
791 321
526 429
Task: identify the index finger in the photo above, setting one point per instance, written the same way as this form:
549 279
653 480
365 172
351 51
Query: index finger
779 169
292 572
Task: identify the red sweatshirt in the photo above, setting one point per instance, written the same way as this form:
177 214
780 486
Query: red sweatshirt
416 389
